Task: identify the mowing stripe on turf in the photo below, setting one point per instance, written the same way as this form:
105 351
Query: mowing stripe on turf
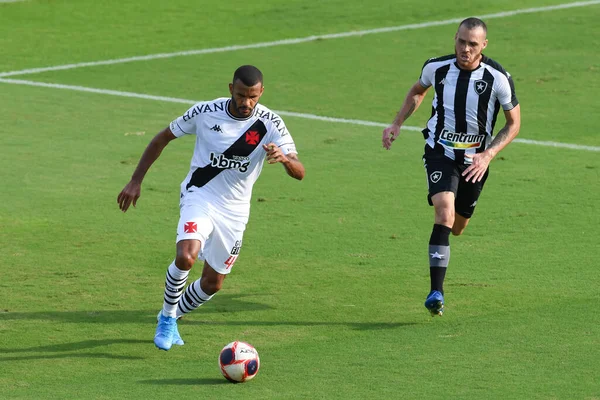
283 42
283 113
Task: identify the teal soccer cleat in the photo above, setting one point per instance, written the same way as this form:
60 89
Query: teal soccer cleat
165 330
177 340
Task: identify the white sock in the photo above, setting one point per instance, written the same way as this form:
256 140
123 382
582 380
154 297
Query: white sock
192 298
174 284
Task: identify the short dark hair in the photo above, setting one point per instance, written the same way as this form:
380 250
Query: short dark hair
248 74
472 23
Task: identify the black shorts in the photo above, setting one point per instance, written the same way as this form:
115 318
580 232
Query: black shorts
445 175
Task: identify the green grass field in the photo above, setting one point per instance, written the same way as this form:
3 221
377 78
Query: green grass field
331 281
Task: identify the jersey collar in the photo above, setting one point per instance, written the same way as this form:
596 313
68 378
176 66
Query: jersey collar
238 118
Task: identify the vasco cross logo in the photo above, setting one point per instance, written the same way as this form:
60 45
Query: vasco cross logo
190 227
252 137
435 176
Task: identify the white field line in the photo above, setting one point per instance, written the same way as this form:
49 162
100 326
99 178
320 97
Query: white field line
299 40
283 113
11 1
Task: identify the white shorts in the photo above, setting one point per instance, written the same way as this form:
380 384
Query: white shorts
220 236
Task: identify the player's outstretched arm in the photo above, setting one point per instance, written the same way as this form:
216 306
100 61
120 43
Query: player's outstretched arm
291 163
132 191
413 100
481 161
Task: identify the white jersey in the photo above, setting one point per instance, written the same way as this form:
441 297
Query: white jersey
228 156
465 105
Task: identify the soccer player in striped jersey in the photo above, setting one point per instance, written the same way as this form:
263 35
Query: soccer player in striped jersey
469 90
234 136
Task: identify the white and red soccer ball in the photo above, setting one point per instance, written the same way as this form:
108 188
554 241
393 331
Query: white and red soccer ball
239 362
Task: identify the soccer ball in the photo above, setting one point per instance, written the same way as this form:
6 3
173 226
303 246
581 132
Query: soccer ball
239 362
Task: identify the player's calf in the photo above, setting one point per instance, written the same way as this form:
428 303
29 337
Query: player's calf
459 225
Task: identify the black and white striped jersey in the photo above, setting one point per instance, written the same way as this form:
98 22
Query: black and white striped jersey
465 105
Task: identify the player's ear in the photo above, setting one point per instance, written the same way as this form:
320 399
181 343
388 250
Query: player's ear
485 42
231 89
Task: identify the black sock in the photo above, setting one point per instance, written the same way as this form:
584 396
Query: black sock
439 256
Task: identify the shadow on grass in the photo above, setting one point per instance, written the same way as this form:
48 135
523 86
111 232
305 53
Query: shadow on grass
202 381
226 304
353 325
86 344
65 348
68 355
149 317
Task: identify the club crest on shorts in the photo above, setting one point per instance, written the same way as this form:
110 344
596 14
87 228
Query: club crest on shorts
480 86
435 176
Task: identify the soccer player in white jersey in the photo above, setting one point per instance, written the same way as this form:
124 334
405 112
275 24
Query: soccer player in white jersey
469 90
234 136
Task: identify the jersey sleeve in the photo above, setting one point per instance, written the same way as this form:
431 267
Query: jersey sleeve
287 145
283 139
186 124
427 74
506 93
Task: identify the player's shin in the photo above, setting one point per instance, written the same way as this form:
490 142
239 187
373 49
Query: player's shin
192 298
439 256
174 284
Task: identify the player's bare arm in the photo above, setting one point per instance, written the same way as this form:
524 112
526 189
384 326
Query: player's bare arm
131 192
413 100
291 163
481 161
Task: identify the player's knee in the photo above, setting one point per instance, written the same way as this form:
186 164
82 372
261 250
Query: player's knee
210 286
185 261
444 216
